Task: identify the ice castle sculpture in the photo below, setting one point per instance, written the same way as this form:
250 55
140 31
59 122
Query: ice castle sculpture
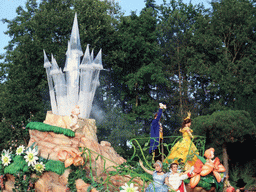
78 83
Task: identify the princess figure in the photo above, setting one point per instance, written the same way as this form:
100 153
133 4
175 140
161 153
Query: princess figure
158 178
184 149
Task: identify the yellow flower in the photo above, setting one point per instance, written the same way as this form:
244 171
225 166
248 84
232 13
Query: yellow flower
39 167
20 150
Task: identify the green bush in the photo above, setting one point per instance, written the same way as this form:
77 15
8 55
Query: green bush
245 172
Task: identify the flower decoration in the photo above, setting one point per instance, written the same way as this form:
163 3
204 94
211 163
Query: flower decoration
204 169
196 173
20 150
131 188
6 159
39 167
218 168
31 156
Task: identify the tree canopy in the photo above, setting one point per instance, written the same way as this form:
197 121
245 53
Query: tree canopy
223 127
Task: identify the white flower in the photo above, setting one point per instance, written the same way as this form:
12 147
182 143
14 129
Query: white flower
20 150
130 188
31 156
6 159
39 167
4 152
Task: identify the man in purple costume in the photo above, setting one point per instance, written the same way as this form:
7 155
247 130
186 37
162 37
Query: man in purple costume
155 132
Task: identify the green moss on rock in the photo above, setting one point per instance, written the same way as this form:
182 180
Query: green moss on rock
49 128
55 166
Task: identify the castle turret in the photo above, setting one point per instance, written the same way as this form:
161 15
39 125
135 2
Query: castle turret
78 85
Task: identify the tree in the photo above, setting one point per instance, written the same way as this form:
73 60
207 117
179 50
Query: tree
136 65
222 55
224 127
175 23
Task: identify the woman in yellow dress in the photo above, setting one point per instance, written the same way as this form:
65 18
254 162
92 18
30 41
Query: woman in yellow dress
184 149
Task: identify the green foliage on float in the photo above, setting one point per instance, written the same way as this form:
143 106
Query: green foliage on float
49 128
19 164
55 166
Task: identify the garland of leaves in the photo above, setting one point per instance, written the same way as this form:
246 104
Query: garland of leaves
50 128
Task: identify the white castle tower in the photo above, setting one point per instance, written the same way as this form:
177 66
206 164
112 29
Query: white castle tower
78 83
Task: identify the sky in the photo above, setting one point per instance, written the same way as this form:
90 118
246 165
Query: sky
8 10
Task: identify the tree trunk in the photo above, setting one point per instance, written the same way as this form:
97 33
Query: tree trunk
180 89
225 157
137 95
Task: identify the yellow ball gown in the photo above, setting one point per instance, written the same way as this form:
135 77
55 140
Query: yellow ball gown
184 149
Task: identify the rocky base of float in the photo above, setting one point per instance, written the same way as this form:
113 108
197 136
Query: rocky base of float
50 144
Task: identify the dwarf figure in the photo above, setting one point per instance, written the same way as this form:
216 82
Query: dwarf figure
74 118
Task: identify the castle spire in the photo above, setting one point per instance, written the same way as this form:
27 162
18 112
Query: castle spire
47 66
47 63
98 60
75 44
87 58
55 68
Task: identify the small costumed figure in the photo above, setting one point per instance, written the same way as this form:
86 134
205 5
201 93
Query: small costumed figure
74 118
175 180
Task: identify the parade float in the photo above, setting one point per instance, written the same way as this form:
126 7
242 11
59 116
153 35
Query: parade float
63 153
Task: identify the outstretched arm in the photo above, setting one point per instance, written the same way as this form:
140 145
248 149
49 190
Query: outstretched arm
155 122
190 134
146 170
159 114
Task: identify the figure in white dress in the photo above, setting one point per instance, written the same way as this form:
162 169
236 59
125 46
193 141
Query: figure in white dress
175 179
